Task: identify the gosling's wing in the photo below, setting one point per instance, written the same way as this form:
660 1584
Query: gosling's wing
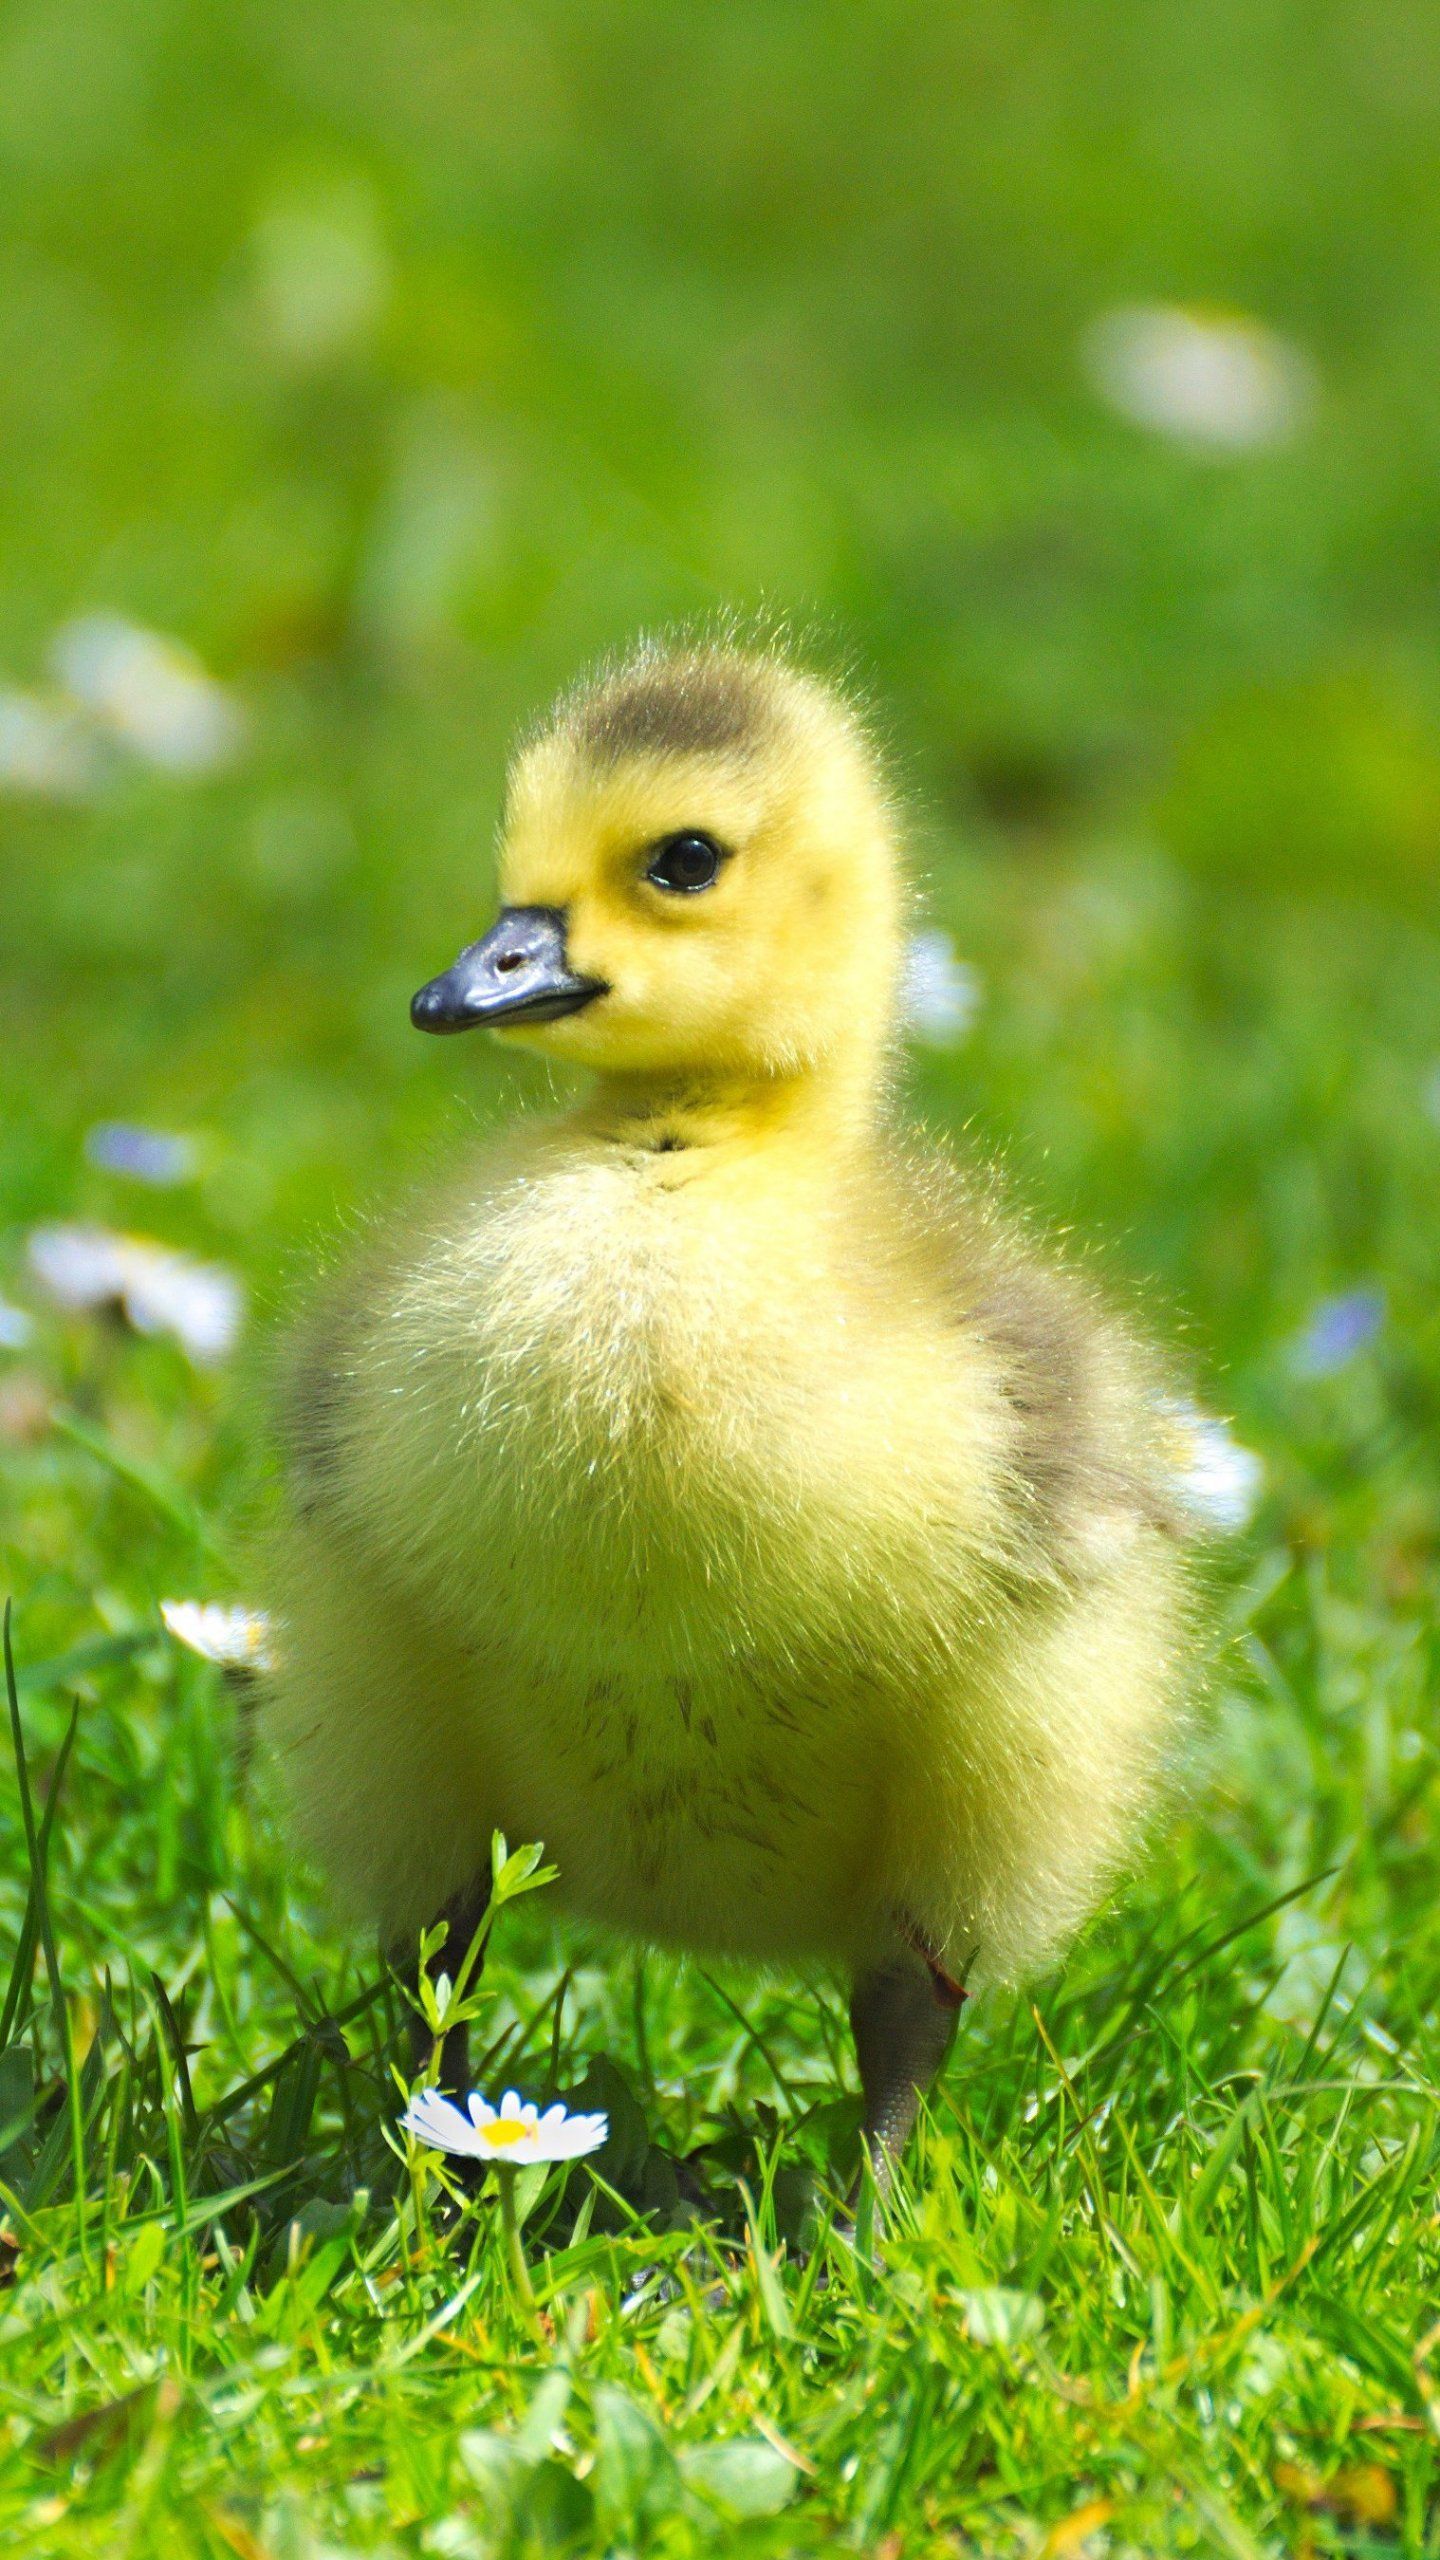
1088 1448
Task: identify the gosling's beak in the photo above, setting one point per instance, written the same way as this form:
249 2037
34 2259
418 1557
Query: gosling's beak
519 973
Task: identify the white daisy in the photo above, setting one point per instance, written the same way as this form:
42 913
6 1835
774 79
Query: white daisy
238 1639
940 994
511 2135
156 1290
15 1327
1216 1477
150 692
1212 379
199 1302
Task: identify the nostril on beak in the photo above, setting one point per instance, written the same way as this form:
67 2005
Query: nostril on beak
517 971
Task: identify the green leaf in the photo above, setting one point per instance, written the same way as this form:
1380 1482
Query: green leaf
530 2185
773 2302
17 2095
637 2479
556 2508
744 2475
96 1653
545 2414
622 2157
497 2467
57 2150
165 1496
142 2258
996 2315
517 1871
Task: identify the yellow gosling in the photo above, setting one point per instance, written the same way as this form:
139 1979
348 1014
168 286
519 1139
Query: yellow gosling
713 1482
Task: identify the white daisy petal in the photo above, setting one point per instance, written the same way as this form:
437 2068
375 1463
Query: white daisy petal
155 1289
1218 381
199 1303
151 692
79 1267
15 1327
578 2135
940 994
1219 1481
433 2119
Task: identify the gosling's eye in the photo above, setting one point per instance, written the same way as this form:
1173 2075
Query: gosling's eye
686 862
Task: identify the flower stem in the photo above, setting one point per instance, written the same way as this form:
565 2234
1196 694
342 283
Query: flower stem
509 2224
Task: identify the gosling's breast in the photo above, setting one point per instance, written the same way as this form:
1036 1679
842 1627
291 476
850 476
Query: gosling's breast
653 1412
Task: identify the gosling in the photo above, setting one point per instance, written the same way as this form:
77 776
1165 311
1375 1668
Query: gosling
713 1482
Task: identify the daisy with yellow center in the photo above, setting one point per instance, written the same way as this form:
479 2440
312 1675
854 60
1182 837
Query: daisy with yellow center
513 2135
238 1639
509 2137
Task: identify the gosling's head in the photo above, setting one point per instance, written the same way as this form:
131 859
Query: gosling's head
699 881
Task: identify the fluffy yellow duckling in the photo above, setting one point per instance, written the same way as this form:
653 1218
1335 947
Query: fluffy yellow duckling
711 1482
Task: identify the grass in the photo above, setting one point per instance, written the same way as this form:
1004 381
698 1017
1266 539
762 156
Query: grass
1167 2266
665 311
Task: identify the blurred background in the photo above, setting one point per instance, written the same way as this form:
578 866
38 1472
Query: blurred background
1070 376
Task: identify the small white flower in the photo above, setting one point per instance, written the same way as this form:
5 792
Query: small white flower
150 692
1217 1478
940 995
156 1290
1208 378
15 1327
238 1639
198 1302
513 2134
79 1267
44 748
155 1156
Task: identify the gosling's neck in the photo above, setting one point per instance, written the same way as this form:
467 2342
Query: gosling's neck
826 1111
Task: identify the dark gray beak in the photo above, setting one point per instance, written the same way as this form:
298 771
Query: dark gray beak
519 973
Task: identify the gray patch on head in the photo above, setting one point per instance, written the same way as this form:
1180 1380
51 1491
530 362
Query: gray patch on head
674 706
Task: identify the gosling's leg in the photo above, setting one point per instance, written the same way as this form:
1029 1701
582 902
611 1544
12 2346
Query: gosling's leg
903 2018
463 1914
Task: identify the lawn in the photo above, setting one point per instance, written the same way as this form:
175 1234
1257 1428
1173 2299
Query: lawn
396 359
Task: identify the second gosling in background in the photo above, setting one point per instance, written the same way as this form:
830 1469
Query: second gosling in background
712 1482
